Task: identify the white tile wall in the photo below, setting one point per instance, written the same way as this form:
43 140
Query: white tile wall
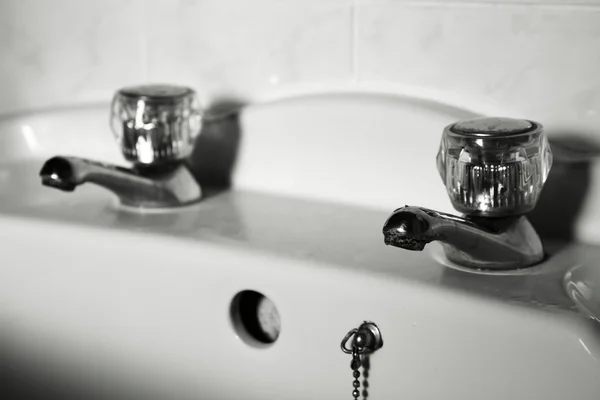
540 62
240 48
534 58
61 52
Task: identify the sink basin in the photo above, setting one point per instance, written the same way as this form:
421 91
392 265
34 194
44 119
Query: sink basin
114 303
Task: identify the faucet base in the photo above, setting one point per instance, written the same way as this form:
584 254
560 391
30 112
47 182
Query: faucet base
516 233
173 189
474 242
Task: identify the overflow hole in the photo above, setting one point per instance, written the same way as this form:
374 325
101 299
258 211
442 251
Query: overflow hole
255 318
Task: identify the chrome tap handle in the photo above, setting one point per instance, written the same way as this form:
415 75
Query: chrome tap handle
494 167
155 124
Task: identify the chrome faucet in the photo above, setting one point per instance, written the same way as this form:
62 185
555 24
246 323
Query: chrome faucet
494 170
156 127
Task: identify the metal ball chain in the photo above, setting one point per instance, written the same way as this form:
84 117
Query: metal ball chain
365 340
355 365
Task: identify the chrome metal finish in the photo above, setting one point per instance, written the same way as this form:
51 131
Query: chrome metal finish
483 243
494 167
493 127
346 339
167 187
494 170
366 339
156 126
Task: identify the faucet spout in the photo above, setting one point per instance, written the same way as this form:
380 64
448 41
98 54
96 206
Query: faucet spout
483 243
138 187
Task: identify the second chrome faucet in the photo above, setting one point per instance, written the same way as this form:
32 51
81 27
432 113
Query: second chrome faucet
156 127
494 170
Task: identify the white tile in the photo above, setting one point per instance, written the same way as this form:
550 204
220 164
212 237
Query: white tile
64 52
538 62
245 48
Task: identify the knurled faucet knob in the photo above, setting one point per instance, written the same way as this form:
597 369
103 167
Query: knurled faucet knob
494 167
155 124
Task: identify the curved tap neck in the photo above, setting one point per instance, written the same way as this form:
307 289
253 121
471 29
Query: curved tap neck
155 187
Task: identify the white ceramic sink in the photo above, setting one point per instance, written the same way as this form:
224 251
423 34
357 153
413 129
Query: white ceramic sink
114 301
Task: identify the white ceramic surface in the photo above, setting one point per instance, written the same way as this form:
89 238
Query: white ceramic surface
103 296
120 304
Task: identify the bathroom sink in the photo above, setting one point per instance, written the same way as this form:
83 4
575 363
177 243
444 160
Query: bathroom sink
103 300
